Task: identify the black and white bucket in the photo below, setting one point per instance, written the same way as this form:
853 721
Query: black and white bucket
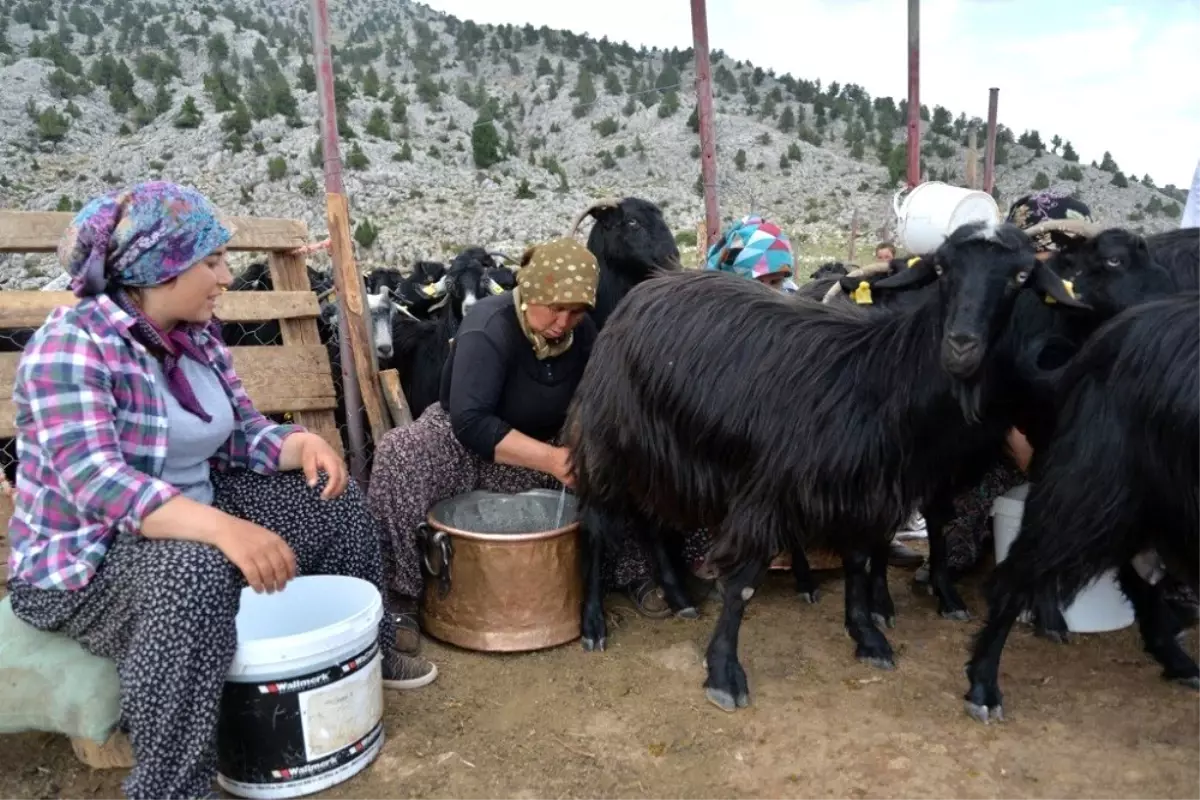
302 708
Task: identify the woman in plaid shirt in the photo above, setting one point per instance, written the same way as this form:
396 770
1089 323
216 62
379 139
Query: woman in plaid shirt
150 491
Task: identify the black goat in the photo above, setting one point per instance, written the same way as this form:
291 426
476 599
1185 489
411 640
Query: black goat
414 291
1114 271
830 269
687 405
1118 269
631 242
1178 252
423 345
1120 475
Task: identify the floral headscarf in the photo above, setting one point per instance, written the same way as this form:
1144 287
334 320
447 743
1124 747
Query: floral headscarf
139 237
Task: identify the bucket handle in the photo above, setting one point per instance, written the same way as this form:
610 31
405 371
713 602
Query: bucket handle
896 202
427 538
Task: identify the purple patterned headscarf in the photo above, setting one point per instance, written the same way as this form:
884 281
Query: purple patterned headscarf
140 237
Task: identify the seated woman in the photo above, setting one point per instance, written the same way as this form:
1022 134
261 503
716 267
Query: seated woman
513 368
150 490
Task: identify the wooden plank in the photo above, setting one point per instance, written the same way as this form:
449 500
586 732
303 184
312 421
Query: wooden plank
30 309
40 231
288 272
393 394
278 379
337 210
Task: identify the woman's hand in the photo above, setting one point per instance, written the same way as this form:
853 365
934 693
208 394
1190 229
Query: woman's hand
262 556
1020 449
560 466
309 452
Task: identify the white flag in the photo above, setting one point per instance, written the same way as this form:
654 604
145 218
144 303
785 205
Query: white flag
1191 211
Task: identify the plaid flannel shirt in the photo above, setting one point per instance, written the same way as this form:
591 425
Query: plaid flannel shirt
92 440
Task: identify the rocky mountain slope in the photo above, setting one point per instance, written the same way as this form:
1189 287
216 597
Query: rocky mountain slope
455 133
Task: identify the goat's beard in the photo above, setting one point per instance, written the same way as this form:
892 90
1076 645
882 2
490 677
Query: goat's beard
970 399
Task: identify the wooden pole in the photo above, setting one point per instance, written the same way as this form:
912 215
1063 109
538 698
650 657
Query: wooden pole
357 359
853 236
914 92
972 174
989 161
704 106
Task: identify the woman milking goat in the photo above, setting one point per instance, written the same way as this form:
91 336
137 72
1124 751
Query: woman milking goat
150 490
512 371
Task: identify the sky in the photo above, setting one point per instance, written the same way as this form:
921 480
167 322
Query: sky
1105 74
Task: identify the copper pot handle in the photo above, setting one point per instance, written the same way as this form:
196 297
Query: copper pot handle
440 540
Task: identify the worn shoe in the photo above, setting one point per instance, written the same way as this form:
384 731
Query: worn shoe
900 555
648 599
402 671
914 528
408 633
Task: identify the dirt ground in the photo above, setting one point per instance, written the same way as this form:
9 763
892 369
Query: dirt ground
1091 719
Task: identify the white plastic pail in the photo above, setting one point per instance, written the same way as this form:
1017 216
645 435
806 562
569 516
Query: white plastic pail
302 708
1100 606
933 210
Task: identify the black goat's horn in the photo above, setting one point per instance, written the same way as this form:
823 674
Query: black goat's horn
599 205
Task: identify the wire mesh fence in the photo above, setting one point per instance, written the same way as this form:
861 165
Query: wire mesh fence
251 273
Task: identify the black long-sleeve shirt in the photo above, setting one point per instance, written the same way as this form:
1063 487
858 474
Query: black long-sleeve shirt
493 383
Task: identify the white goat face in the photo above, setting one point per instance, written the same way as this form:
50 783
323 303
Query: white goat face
383 312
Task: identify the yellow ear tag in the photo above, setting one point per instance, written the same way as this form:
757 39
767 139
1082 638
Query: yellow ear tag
1070 287
862 295
497 288
912 262
430 290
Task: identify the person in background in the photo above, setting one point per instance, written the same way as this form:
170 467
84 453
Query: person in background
149 489
757 249
884 252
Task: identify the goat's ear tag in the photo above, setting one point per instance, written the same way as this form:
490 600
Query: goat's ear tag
497 288
912 262
430 290
1070 287
862 295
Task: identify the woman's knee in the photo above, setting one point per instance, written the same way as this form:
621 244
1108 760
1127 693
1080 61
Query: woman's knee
184 574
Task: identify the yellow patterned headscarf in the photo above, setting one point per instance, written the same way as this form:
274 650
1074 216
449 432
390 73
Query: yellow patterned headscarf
559 272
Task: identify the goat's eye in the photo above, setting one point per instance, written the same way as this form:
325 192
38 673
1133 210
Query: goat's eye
1022 276
937 269
1113 263
633 223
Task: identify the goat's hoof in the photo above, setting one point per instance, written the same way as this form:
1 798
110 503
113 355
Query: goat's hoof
957 615
882 621
810 597
688 613
983 713
726 701
593 644
879 662
1058 637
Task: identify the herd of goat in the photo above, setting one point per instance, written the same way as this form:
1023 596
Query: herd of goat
822 419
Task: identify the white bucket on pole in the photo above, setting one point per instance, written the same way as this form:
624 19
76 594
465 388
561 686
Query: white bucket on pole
1191 211
933 210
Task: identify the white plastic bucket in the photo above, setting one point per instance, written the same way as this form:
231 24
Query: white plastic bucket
302 708
1100 606
933 210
